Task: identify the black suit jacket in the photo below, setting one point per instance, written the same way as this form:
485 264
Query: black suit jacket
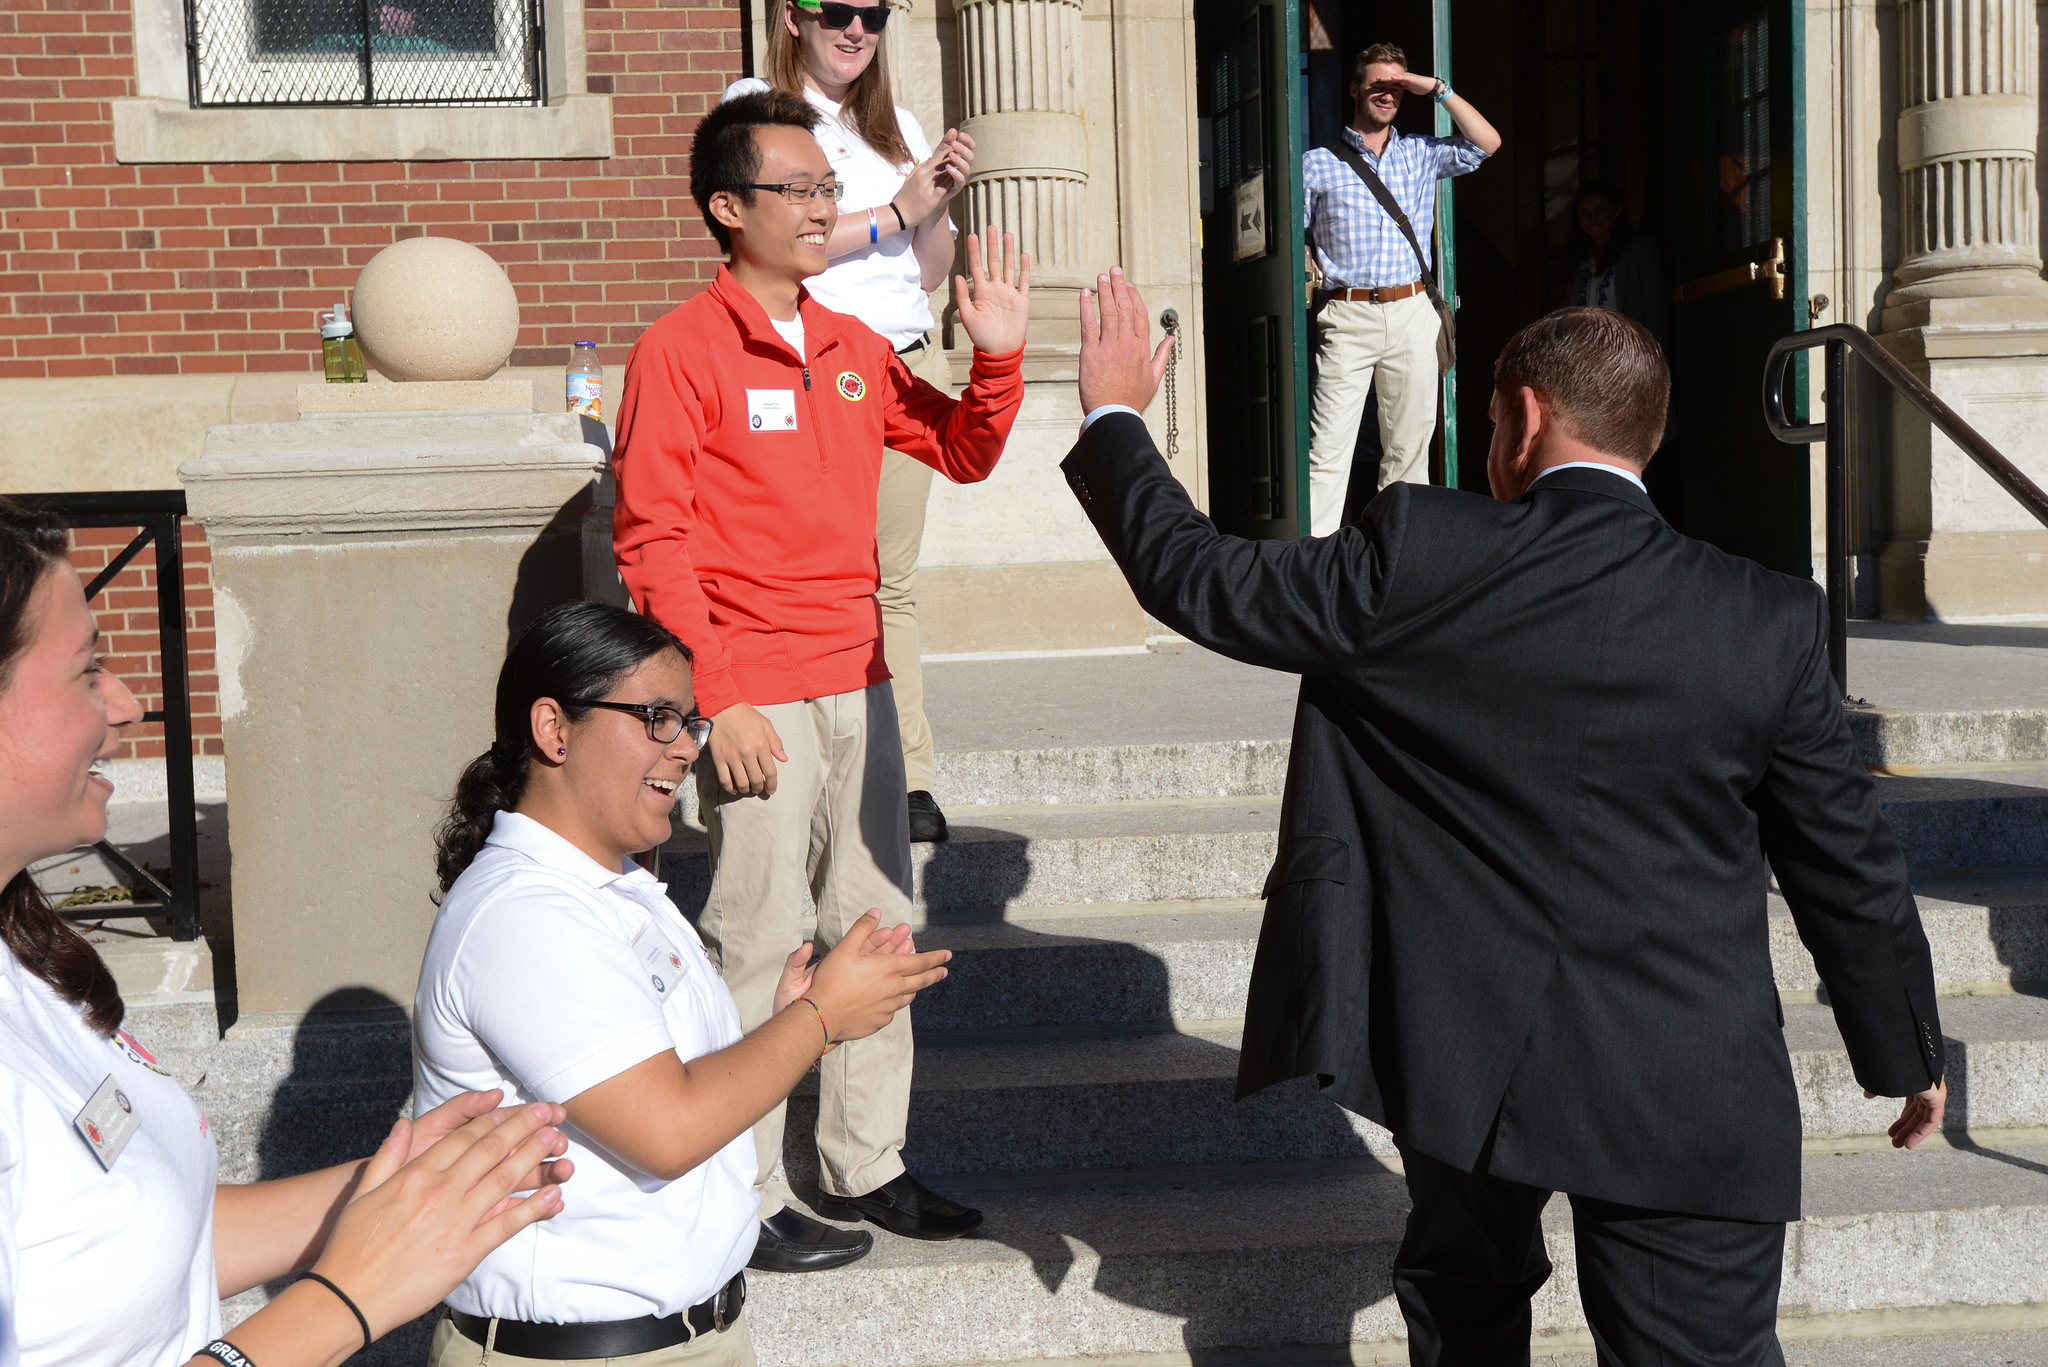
1542 754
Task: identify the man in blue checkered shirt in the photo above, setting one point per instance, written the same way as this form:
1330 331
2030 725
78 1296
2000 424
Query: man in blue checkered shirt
1373 319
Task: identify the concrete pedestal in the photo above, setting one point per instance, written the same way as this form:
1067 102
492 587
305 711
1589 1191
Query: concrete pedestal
1960 546
369 573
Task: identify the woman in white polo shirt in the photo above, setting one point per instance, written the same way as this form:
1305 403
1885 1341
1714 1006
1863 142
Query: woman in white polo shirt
116 1244
559 970
892 246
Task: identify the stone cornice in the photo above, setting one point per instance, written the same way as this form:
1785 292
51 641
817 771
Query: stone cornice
367 476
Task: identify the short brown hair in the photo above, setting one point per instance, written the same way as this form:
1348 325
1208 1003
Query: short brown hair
1378 52
1603 373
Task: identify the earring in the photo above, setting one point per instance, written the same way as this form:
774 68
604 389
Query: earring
561 749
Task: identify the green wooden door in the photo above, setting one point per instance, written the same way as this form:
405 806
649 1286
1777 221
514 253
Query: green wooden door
1254 315
1740 264
1446 238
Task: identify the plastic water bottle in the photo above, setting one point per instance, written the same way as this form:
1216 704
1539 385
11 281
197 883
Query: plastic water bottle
583 384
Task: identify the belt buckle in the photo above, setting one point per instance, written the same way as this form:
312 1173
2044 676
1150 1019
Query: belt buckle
731 1299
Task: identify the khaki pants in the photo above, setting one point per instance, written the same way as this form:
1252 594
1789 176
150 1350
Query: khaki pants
1356 344
733 1348
837 828
899 531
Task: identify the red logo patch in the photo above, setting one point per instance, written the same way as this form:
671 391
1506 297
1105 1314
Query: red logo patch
852 387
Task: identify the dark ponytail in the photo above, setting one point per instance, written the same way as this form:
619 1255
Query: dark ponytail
578 650
33 545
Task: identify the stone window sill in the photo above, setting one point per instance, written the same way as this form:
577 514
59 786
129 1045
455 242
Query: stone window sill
572 128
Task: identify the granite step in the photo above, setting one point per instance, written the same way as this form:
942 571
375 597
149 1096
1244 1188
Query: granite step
1053 1100
1967 818
283 1098
1197 1261
1142 963
1233 767
1156 850
1956 818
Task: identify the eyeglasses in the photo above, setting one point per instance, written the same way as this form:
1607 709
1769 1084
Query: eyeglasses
664 724
802 192
832 14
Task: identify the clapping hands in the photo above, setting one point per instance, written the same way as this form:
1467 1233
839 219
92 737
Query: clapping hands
937 179
800 967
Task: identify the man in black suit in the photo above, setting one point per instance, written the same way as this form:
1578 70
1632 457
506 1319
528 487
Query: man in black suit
1544 750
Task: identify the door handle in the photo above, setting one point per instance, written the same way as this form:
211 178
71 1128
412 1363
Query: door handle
1771 270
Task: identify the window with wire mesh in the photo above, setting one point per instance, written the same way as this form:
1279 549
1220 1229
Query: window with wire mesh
365 52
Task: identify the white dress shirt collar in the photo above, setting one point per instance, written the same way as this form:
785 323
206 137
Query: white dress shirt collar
1631 476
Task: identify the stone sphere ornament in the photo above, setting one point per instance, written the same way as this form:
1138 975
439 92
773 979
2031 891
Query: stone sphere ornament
433 308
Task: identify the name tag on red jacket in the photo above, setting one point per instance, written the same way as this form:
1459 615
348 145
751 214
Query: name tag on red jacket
771 410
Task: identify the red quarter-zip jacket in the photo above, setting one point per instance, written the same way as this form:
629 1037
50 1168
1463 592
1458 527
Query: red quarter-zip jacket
747 477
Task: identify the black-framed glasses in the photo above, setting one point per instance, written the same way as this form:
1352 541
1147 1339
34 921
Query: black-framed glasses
835 15
664 723
802 192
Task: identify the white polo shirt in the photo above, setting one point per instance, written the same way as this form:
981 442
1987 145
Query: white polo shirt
546 974
882 285
99 1267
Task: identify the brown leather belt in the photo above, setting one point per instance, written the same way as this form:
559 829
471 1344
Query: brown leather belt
1375 296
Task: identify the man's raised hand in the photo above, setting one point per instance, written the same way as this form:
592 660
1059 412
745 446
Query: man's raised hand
994 297
1118 362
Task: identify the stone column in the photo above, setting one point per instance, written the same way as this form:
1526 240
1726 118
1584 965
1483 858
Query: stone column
369 572
1968 308
1968 122
1021 95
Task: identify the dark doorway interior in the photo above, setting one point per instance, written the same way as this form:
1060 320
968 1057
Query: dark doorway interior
1572 86
1643 98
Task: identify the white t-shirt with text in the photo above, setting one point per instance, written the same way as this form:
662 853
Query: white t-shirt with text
99 1267
546 974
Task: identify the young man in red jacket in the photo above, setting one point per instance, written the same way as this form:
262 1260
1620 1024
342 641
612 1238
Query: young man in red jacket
750 438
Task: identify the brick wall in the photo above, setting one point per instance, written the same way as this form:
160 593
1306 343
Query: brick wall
126 610
108 269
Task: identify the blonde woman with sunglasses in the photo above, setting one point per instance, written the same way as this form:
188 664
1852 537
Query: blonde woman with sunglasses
892 246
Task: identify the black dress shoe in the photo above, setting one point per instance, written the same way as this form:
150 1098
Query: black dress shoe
905 1207
927 822
793 1242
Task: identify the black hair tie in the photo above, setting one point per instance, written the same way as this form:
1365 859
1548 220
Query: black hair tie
368 1338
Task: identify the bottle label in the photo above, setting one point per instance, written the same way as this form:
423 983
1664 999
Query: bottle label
586 395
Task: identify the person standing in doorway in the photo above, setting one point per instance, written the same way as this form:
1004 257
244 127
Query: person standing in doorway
893 246
1374 322
1621 272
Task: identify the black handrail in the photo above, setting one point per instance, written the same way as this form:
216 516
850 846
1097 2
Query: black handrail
1840 339
156 513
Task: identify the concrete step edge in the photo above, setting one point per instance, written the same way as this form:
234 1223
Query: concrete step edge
1241 1265
1931 1321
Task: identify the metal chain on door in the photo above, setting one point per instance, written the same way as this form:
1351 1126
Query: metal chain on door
1170 320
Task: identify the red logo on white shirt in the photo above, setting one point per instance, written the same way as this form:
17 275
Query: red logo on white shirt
137 1054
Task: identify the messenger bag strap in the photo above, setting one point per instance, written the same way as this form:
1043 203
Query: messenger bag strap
1346 153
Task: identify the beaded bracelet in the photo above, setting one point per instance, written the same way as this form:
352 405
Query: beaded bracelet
830 1043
